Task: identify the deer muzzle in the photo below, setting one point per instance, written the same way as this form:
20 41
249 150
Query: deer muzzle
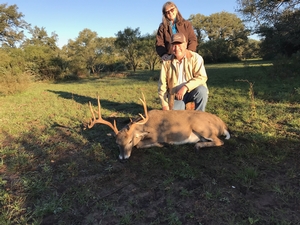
124 153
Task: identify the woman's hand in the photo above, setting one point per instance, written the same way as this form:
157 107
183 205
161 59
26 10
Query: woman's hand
166 57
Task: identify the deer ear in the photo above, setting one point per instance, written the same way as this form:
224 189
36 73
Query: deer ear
128 126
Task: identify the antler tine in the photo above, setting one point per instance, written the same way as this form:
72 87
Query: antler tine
145 119
93 120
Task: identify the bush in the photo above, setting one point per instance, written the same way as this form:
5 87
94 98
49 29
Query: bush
13 83
285 66
13 79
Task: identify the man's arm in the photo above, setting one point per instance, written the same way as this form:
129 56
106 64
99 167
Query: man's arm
162 85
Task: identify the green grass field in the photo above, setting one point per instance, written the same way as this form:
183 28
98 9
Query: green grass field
54 171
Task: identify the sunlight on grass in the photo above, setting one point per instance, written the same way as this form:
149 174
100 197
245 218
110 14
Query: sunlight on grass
53 167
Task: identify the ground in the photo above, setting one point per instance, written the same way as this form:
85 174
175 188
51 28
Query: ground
245 181
237 183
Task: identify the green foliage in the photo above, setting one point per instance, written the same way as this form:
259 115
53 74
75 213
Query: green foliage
39 37
90 55
40 62
222 37
265 12
251 50
286 67
13 77
13 83
11 25
150 57
215 51
199 21
277 22
129 44
282 37
83 52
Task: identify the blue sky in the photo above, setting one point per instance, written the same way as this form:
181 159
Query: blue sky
106 17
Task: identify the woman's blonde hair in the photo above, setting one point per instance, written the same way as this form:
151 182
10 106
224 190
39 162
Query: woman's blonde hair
165 19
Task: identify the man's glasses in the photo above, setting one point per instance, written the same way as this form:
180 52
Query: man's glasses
169 11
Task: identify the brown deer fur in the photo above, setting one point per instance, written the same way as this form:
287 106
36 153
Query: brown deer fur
159 127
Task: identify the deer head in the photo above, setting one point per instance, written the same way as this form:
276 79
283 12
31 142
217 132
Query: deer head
127 137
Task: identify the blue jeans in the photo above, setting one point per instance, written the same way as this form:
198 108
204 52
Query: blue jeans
199 96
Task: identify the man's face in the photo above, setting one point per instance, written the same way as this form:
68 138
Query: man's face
179 50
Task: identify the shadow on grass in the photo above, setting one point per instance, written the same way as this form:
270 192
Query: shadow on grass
140 75
132 108
67 180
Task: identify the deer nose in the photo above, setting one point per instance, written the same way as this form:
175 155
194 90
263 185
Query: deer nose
123 157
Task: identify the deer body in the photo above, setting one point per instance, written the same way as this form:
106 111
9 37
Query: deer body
172 127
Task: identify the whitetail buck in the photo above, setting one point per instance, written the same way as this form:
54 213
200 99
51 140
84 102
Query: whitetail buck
159 127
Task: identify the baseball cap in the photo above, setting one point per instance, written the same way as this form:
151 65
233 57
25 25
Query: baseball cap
178 38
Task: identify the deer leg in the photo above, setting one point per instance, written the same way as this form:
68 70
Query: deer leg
215 141
148 143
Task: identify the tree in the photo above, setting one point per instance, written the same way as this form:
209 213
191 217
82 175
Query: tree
110 59
251 49
39 37
263 12
129 44
11 25
13 75
84 52
42 54
225 35
277 22
226 26
199 22
150 56
283 37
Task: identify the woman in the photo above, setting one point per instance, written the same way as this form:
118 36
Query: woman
172 23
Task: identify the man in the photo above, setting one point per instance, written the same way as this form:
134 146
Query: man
182 78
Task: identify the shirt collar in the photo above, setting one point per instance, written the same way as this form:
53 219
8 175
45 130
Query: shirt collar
183 58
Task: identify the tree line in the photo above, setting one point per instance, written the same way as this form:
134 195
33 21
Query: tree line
222 37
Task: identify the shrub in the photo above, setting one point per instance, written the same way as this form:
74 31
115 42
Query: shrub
13 79
13 83
285 66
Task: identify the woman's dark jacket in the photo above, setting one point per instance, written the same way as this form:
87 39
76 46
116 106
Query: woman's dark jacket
163 37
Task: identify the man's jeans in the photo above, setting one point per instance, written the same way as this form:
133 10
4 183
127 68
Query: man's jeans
199 96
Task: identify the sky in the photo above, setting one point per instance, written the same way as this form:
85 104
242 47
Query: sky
67 18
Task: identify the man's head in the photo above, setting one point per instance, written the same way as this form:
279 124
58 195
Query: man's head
179 45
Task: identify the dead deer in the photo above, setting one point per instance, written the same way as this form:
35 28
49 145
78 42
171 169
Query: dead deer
160 127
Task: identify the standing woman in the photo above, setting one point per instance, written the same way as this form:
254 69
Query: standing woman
173 23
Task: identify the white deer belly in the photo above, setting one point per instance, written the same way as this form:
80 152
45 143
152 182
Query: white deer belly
193 138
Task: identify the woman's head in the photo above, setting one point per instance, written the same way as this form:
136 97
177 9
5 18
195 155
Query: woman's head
171 12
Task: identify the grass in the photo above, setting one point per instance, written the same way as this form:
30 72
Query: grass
55 172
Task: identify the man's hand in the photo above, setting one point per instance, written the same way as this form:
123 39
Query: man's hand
179 95
165 107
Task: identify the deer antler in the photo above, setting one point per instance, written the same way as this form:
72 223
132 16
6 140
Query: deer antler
145 119
93 120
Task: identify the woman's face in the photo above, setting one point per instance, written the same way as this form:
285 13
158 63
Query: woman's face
171 12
